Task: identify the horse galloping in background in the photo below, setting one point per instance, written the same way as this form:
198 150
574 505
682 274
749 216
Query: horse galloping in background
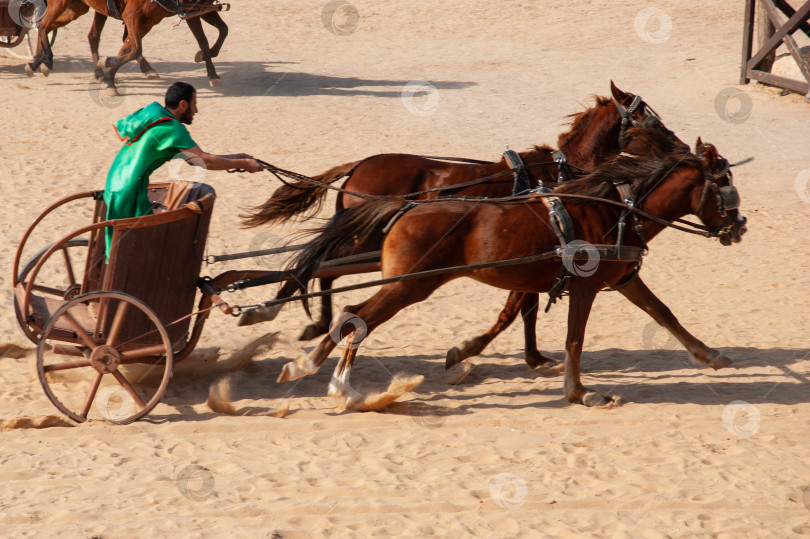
139 16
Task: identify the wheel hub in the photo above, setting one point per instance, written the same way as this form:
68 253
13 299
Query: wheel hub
72 291
105 359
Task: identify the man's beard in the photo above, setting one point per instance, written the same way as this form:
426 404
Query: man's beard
186 117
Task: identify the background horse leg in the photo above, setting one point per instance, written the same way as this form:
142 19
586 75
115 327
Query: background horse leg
215 20
195 25
138 24
517 302
94 37
642 297
579 308
531 354
44 54
146 69
316 329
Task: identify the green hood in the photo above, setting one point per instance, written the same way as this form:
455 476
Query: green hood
129 129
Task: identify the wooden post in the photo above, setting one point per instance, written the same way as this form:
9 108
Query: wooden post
765 30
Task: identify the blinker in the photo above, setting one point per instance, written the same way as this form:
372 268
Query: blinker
730 197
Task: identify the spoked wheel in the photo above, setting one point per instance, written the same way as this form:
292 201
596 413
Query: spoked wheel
9 42
59 278
105 355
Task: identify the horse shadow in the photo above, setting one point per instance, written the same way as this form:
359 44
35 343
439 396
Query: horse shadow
776 376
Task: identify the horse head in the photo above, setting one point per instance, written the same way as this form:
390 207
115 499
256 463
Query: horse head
718 204
633 111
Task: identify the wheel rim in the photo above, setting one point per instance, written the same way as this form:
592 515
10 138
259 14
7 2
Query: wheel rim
105 355
59 280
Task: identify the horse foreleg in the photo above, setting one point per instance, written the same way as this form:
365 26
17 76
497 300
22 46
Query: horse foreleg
579 309
44 54
339 386
642 297
321 326
298 369
215 20
94 37
195 25
147 69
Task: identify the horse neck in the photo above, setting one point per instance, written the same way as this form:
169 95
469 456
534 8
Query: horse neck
595 139
671 199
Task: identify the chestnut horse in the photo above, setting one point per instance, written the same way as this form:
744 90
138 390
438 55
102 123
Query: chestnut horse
139 16
463 232
595 135
205 54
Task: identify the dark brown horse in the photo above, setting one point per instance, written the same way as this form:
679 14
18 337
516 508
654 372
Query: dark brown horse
595 135
447 233
139 17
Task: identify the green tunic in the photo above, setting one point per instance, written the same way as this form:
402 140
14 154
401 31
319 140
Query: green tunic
151 137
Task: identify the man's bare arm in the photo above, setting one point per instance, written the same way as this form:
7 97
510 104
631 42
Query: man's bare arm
196 156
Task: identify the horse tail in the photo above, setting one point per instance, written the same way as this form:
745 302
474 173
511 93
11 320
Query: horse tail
291 200
351 231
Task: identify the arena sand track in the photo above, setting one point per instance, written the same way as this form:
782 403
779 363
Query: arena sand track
503 454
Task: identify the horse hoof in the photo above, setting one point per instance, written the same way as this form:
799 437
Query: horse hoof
719 362
592 398
45 70
536 359
216 83
152 75
110 92
453 358
99 75
312 331
199 57
285 375
28 70
102 62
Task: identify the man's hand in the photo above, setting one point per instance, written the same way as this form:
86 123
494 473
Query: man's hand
249 164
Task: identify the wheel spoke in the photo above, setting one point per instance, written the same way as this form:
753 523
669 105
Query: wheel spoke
139 353
117 324
66 365
80 331
92 395
69 266
131 390
48 290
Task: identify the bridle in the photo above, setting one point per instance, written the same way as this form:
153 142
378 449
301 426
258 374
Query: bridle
651 118
727 198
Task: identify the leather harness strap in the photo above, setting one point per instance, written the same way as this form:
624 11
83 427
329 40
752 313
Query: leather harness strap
564 173
514 161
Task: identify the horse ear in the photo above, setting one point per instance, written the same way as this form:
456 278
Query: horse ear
617 94
698 144
710 156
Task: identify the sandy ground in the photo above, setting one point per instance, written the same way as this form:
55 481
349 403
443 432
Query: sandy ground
503 454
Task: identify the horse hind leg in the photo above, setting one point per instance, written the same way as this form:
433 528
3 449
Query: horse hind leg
195 26
321 326
215 20
517 302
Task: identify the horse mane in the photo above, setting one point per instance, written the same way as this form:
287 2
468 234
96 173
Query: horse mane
643 173
581 120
